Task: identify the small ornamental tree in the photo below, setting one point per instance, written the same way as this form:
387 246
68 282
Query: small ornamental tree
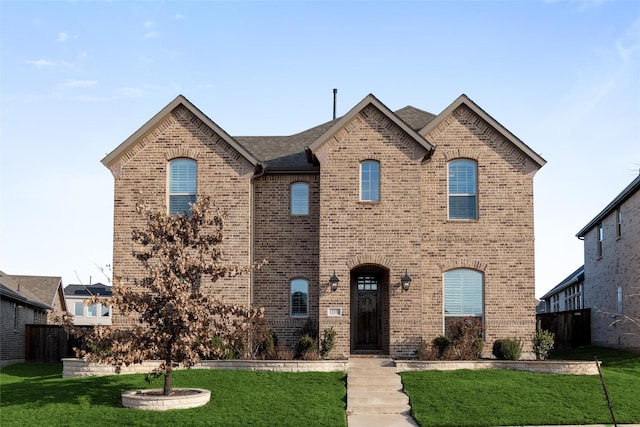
176 321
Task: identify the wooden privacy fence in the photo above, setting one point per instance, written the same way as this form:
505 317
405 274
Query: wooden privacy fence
571 328
48 344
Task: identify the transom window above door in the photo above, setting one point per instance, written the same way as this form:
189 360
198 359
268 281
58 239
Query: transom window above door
367 283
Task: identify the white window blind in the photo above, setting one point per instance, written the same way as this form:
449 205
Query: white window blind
463 292
463 185
182 185
300 198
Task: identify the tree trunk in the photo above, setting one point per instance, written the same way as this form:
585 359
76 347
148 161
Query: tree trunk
167 382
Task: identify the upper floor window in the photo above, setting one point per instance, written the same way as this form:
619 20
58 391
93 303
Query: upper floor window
182 185
300 198
78 309
299 298
92 311
463 293
618 223
105 310
463 188
600 239
370 181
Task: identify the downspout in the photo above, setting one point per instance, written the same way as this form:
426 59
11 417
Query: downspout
261 170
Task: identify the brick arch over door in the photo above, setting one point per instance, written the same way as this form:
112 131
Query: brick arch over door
365 259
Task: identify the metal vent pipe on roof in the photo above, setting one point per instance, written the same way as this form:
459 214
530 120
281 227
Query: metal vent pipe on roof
335 94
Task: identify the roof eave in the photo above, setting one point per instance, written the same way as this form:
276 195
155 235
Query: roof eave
464 99
370 99
153 122
615 203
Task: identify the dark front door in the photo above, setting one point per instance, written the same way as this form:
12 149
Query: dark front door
367 310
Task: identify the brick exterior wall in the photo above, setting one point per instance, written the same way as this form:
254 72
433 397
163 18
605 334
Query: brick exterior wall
290 243
408 230
500 244
141 173
619 266
13 328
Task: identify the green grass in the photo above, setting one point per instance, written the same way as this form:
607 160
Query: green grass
33 394
500 397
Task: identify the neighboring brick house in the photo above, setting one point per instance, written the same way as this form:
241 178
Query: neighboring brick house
612 270
19 307
88 315
370 198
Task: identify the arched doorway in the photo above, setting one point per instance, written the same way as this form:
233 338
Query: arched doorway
369 309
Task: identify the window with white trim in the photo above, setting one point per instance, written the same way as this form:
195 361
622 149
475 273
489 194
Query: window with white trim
105 310
370 181
182 185
463 189
573 297
299 298
78 309
463 293
92 310
299 198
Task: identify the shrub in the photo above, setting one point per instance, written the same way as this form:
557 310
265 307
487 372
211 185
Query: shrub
507 349
304 344
427 352
465 336
327 342
440 344
543 342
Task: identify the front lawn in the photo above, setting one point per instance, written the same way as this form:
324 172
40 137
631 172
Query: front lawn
500 397
33 394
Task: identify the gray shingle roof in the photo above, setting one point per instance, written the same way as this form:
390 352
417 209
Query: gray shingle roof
88 290
43 287
13 289
575 277
288 152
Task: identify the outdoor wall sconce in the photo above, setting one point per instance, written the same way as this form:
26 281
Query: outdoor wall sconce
333 281
405 281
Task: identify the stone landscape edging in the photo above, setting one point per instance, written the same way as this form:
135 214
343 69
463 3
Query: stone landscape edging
73 368
570 367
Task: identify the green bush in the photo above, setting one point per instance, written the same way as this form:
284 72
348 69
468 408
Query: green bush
507 349
304 345
327 342
543 342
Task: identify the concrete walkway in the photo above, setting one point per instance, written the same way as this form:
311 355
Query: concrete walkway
374 394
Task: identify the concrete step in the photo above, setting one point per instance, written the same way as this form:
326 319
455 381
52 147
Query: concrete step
367 397
375 383
378 409
381 420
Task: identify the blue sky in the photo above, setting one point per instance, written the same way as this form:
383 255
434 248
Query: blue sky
79 77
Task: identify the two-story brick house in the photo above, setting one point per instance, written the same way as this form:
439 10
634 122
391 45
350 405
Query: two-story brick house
612 270
348 209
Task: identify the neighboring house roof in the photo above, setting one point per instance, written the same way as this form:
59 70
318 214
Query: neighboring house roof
629 191
575 277
87 290
463 99
12 289
45 288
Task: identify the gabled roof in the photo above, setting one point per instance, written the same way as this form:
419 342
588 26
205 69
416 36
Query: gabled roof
155 120
87 290
575 277
13 289
370 100
463 99
629 191
44 288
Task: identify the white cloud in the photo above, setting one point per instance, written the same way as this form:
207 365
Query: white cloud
40 62
148 24
179 16
151 34
129 92
80 83
62 37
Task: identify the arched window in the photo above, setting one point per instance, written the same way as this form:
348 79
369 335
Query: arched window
299 198
182 185
463 189
299 298
370 181
463 293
